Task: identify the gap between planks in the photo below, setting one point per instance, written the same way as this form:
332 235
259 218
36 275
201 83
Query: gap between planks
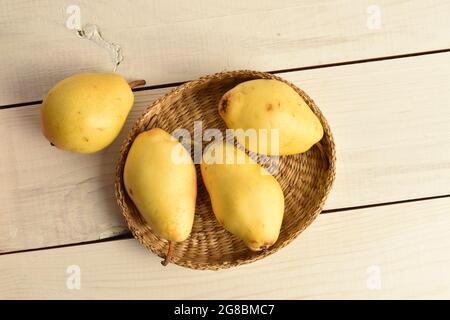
403 252
128 235
320 66
175 40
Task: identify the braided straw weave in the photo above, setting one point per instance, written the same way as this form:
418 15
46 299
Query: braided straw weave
306 179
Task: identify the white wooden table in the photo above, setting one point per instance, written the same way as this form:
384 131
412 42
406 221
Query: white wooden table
380 74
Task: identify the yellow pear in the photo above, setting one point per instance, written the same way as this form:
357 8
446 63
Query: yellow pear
85 112
160 178
270 104
245 198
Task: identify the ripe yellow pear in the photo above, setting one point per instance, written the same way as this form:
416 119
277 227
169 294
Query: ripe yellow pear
245 198
160 178
271 104
84 113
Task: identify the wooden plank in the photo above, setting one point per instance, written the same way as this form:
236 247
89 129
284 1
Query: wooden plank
390 119
176 40
395 251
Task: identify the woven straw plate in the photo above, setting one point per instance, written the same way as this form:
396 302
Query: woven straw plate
306 178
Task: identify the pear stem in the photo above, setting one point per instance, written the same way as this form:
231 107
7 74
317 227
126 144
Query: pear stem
166 261
322 153
136 83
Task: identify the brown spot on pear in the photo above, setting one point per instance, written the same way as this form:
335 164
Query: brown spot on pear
223 104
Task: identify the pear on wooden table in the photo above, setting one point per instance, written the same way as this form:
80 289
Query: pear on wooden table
85 112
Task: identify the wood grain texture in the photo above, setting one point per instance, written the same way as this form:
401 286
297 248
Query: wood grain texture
394 251
390 120
176 40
